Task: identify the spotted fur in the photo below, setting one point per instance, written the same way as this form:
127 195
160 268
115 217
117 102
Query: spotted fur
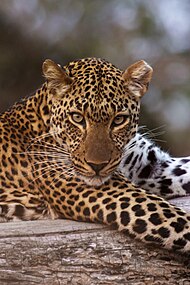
61 151
149 167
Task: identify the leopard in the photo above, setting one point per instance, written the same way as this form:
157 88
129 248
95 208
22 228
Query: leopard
72 151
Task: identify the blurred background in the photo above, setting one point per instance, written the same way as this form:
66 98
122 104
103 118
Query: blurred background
120 31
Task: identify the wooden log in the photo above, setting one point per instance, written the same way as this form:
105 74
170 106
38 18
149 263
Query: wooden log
67 252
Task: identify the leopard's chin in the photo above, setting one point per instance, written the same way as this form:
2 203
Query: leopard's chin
94 180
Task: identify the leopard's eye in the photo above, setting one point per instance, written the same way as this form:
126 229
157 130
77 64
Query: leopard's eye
120 120
78 119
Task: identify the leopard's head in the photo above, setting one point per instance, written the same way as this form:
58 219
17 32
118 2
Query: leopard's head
95 112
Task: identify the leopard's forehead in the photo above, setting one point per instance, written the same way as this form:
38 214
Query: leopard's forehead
97 86
85 67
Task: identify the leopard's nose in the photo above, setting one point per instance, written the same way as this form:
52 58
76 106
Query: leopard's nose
97 167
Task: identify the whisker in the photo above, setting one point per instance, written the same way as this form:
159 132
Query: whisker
53 149
49 156
53 160
42 174
57 173
151 133
43 136
56 146
47 162
127 151
58 167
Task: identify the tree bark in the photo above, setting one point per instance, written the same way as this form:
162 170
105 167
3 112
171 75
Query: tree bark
67 252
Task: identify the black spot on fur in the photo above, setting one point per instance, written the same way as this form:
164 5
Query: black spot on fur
187 236
164 165
133 162
164 205
152 239
111 217
95 208
184 160
124 205
86 212
168 214
114 226
125 219
186 187
111 206
21 184
135 195
178 171
140 226
180 242
128 159
165 190
106 200
124 199
164 232
166 182
145 173
140 200
151 207
24 163
92 199
179 225
100 215
139 212
78 209
152 156
45 110
155 219
100 194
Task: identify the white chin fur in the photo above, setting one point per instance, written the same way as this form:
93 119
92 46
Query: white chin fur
95 180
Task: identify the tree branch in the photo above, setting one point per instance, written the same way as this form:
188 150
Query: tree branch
68 252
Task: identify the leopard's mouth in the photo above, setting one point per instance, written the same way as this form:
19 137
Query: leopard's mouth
95 180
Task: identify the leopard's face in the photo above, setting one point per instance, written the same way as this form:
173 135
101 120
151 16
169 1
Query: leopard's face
95 113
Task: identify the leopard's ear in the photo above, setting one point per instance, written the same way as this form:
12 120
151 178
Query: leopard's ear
137 78
57 78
